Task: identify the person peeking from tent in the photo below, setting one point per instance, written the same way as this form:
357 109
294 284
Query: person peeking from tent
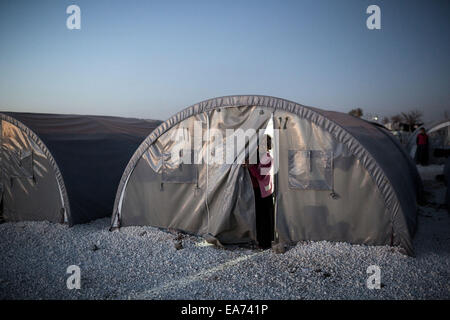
261 177
422 148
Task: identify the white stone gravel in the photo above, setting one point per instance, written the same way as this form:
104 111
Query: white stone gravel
142 263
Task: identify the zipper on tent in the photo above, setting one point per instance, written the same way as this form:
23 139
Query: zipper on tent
197 187
207 170
309 160
275 184
333 193
162 173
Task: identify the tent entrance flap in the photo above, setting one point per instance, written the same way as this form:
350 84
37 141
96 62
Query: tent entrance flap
232 138
213 194
263 184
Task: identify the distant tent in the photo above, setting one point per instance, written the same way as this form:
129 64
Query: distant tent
439 141
407 161
340 178
64 168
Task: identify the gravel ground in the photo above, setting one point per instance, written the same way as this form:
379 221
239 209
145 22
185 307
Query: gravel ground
431 171
143 263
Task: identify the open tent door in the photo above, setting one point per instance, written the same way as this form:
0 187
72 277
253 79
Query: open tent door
232 133
264 186
212 196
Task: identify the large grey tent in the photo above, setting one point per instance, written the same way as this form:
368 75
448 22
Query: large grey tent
339 179
64 168
438 140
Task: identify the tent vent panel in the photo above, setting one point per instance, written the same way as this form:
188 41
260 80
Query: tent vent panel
19 163
310 169
26 163
177 171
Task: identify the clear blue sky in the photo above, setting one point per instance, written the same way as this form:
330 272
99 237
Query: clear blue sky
149 59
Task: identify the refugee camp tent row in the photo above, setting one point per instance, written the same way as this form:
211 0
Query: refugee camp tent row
64 168
438 139
339 178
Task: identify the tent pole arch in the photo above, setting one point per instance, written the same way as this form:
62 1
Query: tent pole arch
59 178
340 133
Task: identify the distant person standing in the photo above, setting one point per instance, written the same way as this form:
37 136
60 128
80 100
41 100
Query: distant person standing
422 148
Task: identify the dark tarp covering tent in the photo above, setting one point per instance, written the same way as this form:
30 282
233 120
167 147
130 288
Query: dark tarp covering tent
64 168
340 178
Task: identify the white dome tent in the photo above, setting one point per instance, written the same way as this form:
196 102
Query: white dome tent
360 186
64 168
